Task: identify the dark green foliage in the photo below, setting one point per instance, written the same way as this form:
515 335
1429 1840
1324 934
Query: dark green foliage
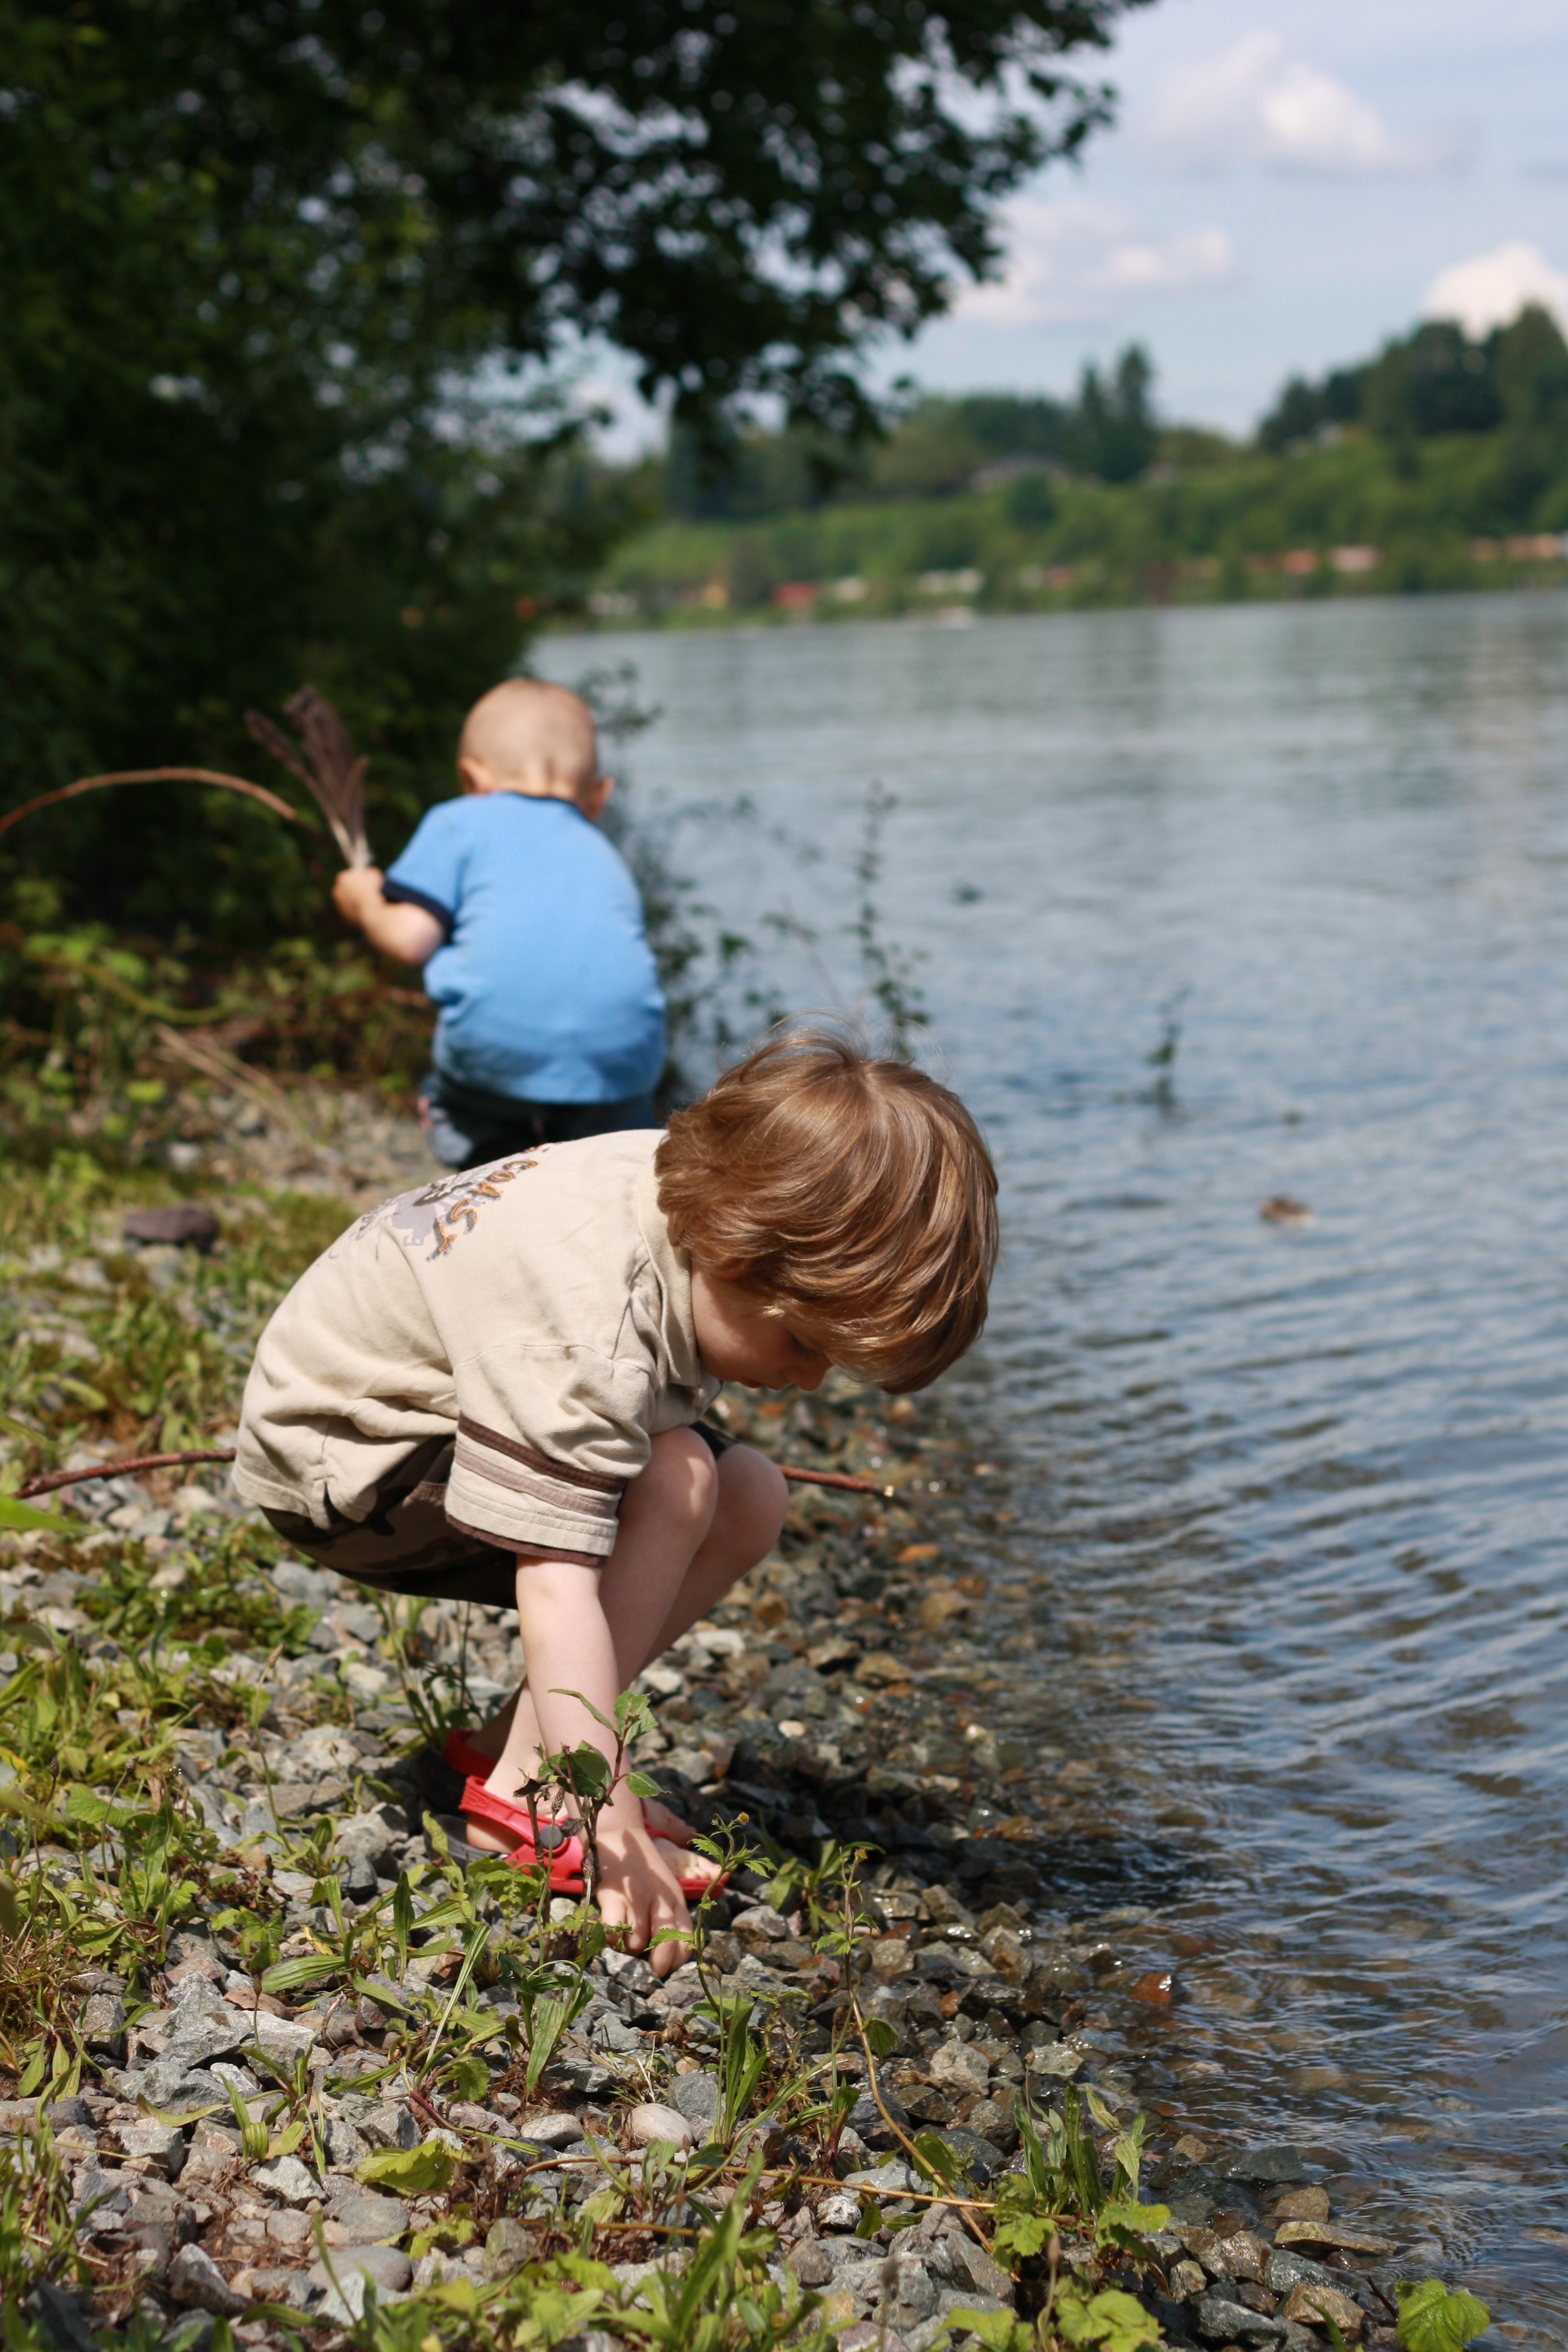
283 287
1115 436
1303 408
1435 383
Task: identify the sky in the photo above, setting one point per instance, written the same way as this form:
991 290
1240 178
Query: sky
1289 182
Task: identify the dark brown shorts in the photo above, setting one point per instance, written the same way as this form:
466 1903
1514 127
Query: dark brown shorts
407 1544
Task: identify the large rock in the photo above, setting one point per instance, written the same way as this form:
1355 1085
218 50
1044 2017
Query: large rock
102 2026
281 2038
959 2066
697 2096
160 2144
387 2267
550 2129
175 2087
196 2281
200 2038
288 2179
376 1836
371 2217
1220 2321
1314 2306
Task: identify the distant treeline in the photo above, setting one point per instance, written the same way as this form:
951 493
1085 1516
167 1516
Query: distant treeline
1442 462
935 448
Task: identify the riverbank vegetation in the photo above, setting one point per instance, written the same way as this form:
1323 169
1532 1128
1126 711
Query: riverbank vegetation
1442 463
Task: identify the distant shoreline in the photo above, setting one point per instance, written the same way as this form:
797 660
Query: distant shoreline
969 615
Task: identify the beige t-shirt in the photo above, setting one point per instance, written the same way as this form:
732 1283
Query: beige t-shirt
534 1309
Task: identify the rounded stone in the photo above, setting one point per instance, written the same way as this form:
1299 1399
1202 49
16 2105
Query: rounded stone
387 2267
652 2122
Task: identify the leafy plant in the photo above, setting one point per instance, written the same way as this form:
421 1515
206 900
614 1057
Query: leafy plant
1434 2319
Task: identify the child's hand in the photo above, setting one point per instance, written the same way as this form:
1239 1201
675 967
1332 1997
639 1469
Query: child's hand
410 934
638 1890
356 890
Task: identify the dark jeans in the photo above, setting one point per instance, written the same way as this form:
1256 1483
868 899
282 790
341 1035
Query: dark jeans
468 1128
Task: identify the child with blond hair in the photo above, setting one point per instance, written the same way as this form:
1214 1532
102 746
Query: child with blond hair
491 1390
529 927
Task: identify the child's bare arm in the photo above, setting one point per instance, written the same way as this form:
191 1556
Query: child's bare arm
410 934
567 1641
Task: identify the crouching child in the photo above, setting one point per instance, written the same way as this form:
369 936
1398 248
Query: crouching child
491 1389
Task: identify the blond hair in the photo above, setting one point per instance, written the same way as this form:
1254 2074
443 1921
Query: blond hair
855 1195
534 738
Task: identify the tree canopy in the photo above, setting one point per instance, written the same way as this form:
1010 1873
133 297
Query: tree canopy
1435 381
284 284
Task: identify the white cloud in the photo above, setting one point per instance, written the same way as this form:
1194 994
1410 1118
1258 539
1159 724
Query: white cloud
1494 287
1258 103
1074 262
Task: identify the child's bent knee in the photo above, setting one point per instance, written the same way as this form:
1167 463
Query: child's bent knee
757 1487
684 1473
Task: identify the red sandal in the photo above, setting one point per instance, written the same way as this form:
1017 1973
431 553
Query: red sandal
561 1849
565 1859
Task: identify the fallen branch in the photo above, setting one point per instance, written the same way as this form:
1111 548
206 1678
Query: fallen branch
128 1468
140 1462
151 776
836 1478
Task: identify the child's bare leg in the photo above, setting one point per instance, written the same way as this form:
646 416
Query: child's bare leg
665 1517
751 1499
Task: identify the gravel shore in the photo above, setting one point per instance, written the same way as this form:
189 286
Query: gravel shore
875 1682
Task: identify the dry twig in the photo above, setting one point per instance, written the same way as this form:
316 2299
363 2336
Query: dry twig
151 776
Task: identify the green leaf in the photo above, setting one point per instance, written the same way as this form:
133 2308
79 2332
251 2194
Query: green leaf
881 2038
310 1968
287 2140
24 1519
469 2078
1431 2319
643 1784
1020 2235
10 1910
1124 2224
939 2159
422 2171
1111 2319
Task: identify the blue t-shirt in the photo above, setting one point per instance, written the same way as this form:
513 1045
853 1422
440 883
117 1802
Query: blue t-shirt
546 980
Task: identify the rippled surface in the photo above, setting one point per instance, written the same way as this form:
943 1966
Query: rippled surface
1298 1496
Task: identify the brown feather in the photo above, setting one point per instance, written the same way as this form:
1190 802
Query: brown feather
327 766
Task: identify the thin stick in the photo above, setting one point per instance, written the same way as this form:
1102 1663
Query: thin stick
121 1469
152 776
225 1453
836 1478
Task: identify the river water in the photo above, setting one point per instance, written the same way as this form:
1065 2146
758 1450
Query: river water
1295 1494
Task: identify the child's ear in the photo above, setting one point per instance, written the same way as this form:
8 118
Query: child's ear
473 772
596 799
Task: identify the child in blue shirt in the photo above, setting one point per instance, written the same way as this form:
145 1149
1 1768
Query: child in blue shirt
529 927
